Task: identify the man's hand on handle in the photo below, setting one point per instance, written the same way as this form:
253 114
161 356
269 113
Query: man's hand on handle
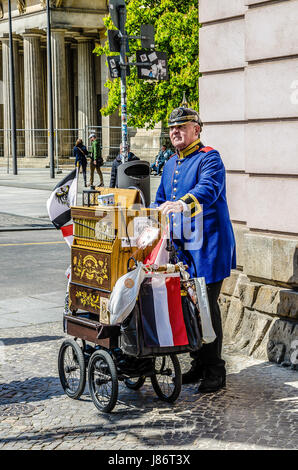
170 206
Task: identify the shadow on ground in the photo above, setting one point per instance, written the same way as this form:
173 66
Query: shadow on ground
30 339
259 407
30 390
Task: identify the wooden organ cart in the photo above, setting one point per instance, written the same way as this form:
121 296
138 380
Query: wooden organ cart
104 241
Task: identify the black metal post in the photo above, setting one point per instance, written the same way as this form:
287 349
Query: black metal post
12 97
122 16
50 94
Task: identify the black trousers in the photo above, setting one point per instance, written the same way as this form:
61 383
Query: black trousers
209 356
84 167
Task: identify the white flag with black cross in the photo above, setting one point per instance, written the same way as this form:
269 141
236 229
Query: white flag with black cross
59 203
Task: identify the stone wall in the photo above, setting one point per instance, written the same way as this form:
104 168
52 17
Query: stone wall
260 320
249 105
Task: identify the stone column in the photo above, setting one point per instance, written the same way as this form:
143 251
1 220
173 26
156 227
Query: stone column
111 137
86 87
74 50
33 97
44 70
69 83
60 95
6 92
1 103
1 106
21 73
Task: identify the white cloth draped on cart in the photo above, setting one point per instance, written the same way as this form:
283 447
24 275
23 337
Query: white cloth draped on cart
205 316
124 295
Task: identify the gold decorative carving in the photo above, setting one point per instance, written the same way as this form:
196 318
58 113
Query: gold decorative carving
91 300
21 4
53 3
106 247
90 268
1 10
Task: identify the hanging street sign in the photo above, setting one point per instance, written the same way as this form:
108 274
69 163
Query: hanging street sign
114 66
114 40
155 65
114 6
147 36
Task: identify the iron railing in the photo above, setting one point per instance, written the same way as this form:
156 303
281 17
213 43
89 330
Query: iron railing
33 143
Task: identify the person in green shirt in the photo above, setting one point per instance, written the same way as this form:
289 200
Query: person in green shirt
96 160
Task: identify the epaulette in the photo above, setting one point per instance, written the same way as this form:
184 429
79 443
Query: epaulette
206 149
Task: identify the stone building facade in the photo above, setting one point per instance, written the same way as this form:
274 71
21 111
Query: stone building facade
78 75
249 104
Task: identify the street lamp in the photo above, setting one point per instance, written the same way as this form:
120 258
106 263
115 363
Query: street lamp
12 96
50 94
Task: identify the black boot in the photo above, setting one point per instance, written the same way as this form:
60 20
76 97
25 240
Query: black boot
212 384
194 374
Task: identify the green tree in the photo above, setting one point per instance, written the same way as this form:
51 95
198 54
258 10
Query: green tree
176 32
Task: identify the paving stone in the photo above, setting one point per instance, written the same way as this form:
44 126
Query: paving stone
251 413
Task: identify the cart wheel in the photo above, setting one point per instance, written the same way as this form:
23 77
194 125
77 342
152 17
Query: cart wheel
167 379
135 384
72 370
103 381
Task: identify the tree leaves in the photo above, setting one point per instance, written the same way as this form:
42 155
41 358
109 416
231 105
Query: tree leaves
176 32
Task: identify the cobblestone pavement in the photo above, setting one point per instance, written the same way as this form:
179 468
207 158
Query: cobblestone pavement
257 410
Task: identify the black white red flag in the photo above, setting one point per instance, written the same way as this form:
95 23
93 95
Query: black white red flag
59 203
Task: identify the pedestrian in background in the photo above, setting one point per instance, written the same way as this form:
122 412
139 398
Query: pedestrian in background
161 159
117 162
80 153
96 160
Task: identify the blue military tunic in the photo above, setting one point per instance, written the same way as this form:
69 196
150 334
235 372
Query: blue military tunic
197 177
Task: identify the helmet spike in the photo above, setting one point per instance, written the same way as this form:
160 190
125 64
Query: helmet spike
184 103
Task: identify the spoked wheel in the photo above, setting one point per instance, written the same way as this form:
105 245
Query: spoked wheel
103 381
167 379
135 384
72 370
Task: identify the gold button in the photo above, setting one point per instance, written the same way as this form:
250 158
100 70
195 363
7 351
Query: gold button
179 163
176 172
175 189
174 197
175 181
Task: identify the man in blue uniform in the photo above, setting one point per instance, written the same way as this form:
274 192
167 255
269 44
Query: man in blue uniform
194 183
